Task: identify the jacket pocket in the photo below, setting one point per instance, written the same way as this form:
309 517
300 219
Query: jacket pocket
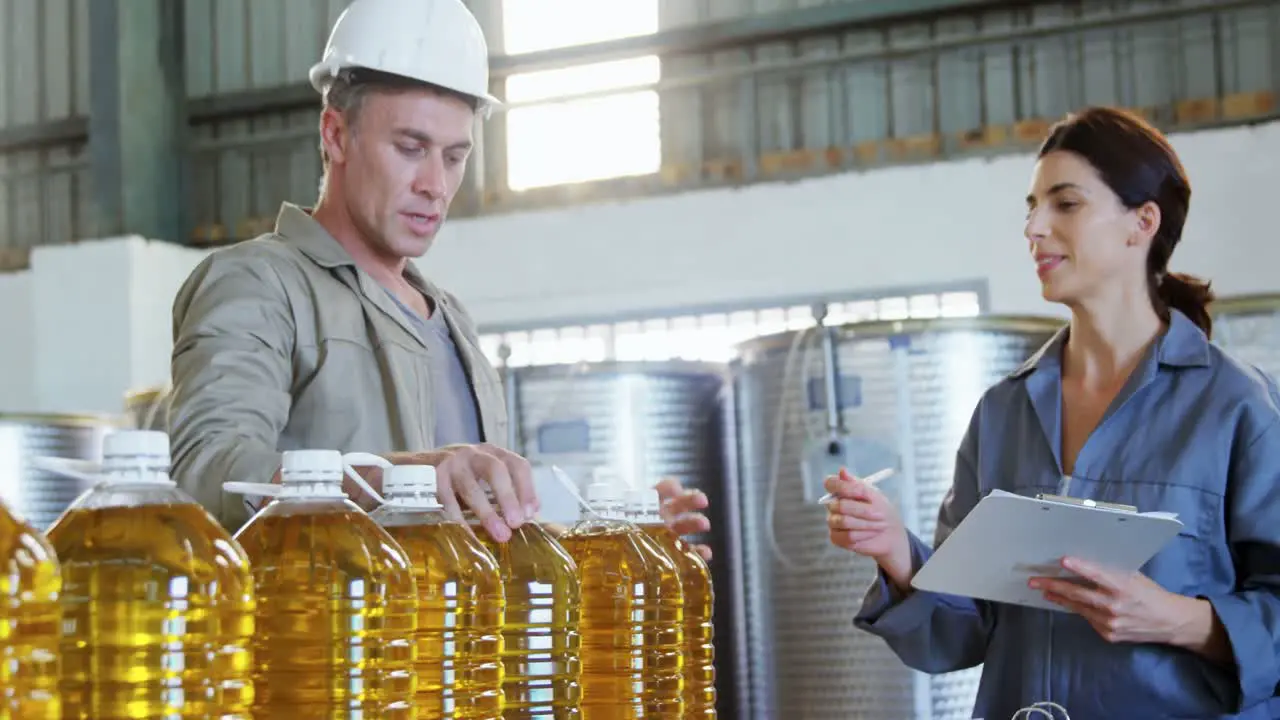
1184 562
1163 683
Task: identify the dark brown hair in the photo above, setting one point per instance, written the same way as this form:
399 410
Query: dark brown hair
1138 164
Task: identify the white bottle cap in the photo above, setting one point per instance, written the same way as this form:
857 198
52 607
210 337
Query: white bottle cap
642 500
646 503
136 444
125 450
400 480
635 500
652 500
599 493
603 475
311 466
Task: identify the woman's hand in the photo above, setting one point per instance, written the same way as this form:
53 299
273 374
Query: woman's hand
1131 608
681 511
863 520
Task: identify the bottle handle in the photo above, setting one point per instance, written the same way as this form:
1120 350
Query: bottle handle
563 478
352 460
251 488
349 462
255 494
86 471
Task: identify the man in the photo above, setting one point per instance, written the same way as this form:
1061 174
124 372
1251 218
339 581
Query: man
323 334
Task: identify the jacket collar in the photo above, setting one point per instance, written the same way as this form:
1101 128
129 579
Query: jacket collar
1183 345
296 226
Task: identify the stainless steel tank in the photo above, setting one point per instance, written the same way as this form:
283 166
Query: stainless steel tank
645 420
905 392
1248 326
39 496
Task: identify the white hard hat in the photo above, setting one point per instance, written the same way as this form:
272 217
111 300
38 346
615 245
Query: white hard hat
435 41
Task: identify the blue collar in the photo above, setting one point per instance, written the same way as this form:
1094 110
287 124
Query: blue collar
1183 345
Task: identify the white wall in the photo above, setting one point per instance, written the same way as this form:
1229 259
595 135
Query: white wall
17 341
88 322
81 303
97 314
880 229
159 269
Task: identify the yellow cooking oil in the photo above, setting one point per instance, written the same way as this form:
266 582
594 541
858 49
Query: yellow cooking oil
540 643
460 596
337 602
699 603
157 598
632 615
30 622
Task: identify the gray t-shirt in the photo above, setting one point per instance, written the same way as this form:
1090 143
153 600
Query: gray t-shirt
455 405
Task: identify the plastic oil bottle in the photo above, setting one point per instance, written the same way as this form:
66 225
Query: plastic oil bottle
643 509
540 642
337 601
632 615
30 622
157 599
460 596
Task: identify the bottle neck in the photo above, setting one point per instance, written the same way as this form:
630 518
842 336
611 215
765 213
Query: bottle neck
641 516
136 473
311 489
421 502
605 508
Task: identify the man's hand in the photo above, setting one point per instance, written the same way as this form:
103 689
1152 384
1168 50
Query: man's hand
460 472
681 511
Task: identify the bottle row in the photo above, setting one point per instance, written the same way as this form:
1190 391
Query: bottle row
136 603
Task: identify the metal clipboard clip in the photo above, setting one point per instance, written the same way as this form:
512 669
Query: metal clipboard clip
1066 500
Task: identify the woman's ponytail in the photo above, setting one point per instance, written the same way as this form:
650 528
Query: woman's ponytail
1189 295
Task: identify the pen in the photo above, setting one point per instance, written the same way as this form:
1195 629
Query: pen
871 480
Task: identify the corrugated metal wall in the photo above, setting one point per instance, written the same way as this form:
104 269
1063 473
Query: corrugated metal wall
920 108
241 169
44 78
844 115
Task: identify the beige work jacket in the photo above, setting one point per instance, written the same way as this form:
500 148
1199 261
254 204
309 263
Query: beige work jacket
282 343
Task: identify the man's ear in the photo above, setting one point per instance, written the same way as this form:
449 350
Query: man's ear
335 134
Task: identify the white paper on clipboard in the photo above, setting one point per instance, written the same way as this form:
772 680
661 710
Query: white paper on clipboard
1007 539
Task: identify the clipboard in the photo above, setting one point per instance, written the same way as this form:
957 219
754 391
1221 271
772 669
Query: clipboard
1007 539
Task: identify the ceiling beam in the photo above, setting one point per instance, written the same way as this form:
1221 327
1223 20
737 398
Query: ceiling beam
37 136
706 37
694 39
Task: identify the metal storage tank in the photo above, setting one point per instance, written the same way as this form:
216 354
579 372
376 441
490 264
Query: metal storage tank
646 420
39 496
1248 326
906 392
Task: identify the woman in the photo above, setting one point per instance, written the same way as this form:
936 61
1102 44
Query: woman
1130 404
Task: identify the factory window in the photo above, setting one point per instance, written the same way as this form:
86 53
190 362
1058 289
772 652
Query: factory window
709 337
613 132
